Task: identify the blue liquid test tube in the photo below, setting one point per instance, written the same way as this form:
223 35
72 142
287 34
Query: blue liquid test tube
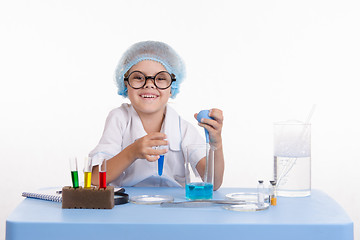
161 160
160 165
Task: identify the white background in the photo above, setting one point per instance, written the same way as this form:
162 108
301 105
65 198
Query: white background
259 61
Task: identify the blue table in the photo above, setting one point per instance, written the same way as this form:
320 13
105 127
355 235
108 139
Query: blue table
315 217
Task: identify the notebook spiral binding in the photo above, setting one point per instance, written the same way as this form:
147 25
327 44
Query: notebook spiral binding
47 197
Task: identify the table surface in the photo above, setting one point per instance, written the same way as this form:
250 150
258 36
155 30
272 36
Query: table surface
315 217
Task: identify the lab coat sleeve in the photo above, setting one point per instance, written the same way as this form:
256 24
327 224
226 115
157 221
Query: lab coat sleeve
110 143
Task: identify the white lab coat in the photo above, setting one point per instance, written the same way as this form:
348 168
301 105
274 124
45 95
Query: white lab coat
123 126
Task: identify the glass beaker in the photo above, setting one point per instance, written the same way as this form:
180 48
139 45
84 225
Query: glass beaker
292 158
199 185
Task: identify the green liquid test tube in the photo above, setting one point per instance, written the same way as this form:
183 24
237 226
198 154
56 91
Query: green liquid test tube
75 179
74 172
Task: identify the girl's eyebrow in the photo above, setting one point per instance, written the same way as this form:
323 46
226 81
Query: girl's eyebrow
146 75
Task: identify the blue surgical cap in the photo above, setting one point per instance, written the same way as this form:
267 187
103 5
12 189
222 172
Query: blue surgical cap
150 50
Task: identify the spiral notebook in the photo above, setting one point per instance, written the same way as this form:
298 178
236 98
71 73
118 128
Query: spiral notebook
49 195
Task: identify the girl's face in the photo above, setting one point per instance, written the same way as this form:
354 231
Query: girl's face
149 99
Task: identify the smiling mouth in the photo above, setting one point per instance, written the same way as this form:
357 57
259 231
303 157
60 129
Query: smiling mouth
148 96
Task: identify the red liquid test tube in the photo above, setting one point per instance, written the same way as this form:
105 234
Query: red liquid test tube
102 178
102 174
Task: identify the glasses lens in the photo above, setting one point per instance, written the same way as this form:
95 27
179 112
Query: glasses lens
163 80
136 79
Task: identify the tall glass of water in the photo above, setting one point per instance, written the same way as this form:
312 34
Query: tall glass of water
292 158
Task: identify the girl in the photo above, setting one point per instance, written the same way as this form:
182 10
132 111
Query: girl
149 73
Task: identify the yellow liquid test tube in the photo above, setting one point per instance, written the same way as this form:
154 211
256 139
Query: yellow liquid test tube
87 179
87 172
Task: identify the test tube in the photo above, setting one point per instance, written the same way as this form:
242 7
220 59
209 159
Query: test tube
102 174
74 172
261 190
161 159
273 193
87 172
160 165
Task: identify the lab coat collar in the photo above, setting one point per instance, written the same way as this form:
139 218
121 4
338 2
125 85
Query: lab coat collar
171 127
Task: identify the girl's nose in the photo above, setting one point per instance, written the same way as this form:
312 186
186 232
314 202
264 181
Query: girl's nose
149 83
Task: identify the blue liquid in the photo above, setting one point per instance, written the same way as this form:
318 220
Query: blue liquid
160 165
195 191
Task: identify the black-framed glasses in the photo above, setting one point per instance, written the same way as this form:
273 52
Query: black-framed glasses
162 80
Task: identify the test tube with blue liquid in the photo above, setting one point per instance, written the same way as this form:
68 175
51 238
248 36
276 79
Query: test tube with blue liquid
160 165
74 172
161 160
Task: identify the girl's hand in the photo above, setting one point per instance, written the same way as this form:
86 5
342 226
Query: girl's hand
143 147
214 127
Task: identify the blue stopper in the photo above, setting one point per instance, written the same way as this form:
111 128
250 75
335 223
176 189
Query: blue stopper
160 165
204 114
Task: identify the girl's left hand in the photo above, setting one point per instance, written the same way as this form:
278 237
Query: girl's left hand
214 127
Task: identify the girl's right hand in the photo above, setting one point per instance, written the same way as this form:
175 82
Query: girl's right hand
144 147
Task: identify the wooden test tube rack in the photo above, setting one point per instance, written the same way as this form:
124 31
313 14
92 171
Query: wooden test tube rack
89 198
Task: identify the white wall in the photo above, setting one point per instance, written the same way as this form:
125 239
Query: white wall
260 61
